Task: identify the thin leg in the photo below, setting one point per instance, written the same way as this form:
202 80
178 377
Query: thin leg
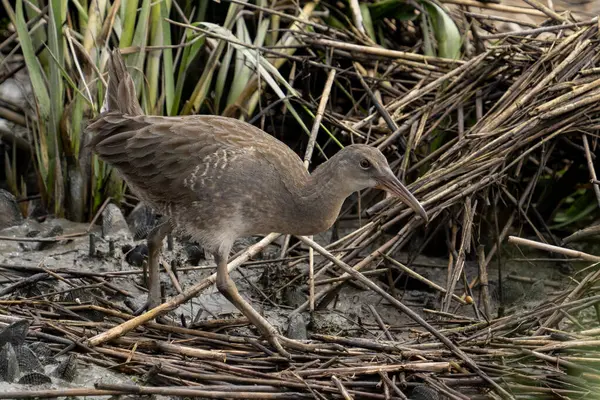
155 243
228 289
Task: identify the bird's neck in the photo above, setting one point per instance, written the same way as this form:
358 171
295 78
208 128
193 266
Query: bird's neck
320 199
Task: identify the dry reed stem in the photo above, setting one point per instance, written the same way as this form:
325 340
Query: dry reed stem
554 249
528 94
307 157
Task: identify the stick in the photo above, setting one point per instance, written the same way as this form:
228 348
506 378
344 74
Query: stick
307 156
590 163
50 393
546 10
204 392
553 249
578 292
341 388
483 279
379 51
357 15
171 274
497 7
468 215
421 278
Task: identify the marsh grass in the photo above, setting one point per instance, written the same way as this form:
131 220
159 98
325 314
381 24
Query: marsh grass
264 63
165 45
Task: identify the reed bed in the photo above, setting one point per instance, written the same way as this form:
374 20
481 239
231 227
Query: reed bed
495 132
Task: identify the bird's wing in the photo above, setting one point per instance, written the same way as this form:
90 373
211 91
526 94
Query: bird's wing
164 152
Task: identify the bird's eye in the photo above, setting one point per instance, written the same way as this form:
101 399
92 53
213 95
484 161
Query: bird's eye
365 164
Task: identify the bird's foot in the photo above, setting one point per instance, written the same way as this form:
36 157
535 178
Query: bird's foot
280 342
140 310
148 305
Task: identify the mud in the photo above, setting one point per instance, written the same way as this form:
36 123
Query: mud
348 315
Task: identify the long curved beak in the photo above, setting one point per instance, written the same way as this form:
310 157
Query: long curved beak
391 184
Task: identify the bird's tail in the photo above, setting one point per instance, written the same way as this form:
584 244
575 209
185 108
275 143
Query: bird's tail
120 95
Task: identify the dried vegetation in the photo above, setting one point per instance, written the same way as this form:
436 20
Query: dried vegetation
500 141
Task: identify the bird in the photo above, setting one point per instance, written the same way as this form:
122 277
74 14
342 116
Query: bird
218 179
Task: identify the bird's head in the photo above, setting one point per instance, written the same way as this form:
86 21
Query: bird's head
366 167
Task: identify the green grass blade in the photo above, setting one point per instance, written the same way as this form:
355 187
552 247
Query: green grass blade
38 37
204 83
445 30
168 69
81 11
33 65
242 71
367 20
222 78
195 43
136 60
153 61
189 53
129 8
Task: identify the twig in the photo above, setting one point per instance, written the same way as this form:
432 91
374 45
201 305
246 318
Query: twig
483 278
579 291
357 16
497 7
341 388
307 156
379 51
590 164
172 276
554 249
583 233
421 278
380 322
44 239
546 10
53 393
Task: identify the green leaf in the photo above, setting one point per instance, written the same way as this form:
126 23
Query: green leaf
445 30
33 65
56 50
583 204
136 60
266 70
242 71
189 53
398 9
129 8
222 77
204 83
367 21
153 57
168 70
428 34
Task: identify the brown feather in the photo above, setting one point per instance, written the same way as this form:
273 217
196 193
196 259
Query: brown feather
121 94
219 178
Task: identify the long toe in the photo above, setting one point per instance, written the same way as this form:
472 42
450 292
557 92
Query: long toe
140 310
309 347
274 341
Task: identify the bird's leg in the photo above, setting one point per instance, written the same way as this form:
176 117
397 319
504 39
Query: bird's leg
155 244
227 287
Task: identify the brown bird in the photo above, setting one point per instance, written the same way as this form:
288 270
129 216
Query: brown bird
219 179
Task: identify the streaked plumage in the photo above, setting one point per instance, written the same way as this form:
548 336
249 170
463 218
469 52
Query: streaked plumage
219 178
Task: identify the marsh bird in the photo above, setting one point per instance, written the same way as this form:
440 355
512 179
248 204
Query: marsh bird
218 179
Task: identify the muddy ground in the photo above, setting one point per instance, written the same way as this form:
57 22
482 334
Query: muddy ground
267 286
